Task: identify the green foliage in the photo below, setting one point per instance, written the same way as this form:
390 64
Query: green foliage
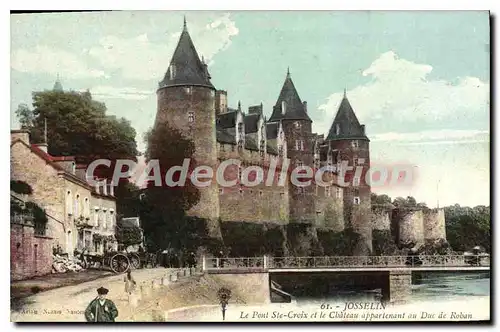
128 235
338 243
162 208
78 126
383 243
468 227
20 187
244 239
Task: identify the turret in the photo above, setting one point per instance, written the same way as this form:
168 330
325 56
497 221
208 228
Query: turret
348 136
186 101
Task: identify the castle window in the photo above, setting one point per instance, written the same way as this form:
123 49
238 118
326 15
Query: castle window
355 144
299 163
355 181
356 200
280 151
240 128
188 90
283 107
282 195
339 192
221 191
241 191
297 145
240 144
190 116
297 125
327 191
232 147
318 214
261 193
337 129
172 71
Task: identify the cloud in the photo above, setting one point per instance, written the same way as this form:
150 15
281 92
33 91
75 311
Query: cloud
433 136
128 93
401 94
43 59
140 58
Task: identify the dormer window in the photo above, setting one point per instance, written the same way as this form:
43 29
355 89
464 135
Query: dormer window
188 90
300 163
356 201
297 125
172 71
190 116
337 129
355 144
240 128
283 107
73 168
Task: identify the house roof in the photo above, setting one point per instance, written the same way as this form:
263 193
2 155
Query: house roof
225 137
272 130
186 64
294 108
226 120
347 124
251 122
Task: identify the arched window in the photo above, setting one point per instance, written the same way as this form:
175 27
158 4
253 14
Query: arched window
69 203
337 129
86 207
283 107
77 206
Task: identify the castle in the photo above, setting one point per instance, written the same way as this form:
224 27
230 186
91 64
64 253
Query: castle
188 101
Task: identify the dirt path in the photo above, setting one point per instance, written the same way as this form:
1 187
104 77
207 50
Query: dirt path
67 304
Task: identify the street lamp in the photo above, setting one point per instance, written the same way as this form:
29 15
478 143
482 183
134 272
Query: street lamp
224 295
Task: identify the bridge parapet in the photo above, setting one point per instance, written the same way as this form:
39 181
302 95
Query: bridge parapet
342 262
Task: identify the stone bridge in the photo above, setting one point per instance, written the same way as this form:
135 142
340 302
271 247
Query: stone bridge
390 273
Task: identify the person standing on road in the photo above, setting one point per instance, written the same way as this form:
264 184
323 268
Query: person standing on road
101 309
130 283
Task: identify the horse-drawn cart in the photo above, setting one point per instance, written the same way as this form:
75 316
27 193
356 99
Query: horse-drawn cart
118 262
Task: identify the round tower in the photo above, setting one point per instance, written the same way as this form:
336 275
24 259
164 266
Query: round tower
347 136
186 101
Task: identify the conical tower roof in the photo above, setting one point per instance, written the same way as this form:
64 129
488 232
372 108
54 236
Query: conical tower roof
346 124
186 68
57 85
294 109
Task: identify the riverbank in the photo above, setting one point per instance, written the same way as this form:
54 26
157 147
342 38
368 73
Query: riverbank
176 301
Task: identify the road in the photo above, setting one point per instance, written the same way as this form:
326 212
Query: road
67 304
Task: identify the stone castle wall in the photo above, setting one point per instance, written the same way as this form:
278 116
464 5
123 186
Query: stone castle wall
434 225
174 107
411 228
381 220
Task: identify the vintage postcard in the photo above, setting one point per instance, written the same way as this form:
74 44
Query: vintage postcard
260 166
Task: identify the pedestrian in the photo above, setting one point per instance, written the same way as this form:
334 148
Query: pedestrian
101 309
130 283
192 260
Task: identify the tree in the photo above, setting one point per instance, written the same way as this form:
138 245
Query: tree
128 235
78 126
468 227
163 208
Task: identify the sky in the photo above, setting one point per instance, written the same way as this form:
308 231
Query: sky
419 81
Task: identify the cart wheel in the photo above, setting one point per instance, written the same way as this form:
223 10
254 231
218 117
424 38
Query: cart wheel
135 261
119 263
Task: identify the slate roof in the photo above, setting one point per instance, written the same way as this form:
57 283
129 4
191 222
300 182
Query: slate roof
224 136
294 107
226 120
272 130
189 69
251 123
349 126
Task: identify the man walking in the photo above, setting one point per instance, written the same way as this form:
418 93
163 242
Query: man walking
101 309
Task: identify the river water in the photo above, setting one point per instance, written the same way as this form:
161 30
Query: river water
435 297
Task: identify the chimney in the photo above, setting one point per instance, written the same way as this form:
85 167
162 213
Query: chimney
305 106
21 134
220 102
